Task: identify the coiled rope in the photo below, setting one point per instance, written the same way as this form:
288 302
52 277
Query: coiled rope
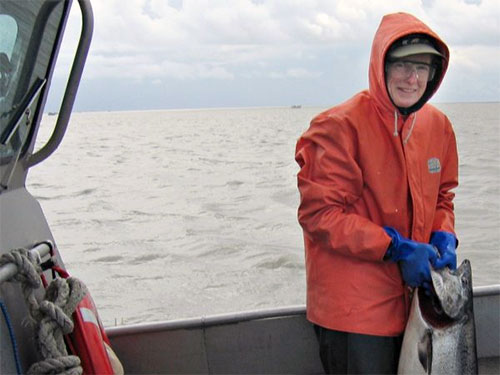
51 316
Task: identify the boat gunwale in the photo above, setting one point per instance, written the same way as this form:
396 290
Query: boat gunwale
486 290
239 317
207 321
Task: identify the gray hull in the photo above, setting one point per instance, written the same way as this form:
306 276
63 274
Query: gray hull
261 342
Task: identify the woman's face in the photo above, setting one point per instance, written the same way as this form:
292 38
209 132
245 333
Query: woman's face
407 79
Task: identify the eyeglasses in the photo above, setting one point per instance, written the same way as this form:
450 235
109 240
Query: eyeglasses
405 68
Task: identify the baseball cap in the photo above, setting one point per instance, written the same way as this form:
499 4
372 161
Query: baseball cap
412 45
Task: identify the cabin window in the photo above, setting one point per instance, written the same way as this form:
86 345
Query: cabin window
28 34
8 35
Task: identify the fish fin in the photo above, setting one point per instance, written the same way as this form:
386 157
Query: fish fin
464 271
425 351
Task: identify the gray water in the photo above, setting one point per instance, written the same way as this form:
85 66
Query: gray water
175 214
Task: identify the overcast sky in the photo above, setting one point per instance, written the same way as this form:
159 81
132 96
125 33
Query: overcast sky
166 54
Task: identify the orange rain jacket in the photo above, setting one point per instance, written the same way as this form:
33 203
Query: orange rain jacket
356 175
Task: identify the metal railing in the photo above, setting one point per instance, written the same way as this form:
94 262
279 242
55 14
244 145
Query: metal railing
9 270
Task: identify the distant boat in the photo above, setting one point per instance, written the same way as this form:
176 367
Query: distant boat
296 106
52 113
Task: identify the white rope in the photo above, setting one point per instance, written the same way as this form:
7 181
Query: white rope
52 316
395 123
396 126
411 128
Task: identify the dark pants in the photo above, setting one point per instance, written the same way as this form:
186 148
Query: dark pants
353 353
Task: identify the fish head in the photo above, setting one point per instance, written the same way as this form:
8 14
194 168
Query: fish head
453 289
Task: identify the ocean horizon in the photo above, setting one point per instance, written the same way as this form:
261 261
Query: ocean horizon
326 106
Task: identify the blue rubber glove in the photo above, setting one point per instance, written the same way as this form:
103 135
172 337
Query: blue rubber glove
413 257
446 243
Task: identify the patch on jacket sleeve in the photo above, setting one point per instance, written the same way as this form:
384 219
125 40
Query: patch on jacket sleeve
434 165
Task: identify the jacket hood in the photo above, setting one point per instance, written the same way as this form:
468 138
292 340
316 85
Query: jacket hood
392 28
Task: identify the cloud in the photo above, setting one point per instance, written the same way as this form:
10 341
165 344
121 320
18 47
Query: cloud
466 22
293 73
476 58
152 39
227 40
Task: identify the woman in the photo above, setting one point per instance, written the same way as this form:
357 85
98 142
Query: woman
375 182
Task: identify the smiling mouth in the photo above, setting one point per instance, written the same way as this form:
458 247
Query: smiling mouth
407 90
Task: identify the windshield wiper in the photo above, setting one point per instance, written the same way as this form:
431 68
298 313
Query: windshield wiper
20 110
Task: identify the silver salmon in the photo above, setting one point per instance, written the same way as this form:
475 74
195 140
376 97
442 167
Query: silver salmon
440 334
